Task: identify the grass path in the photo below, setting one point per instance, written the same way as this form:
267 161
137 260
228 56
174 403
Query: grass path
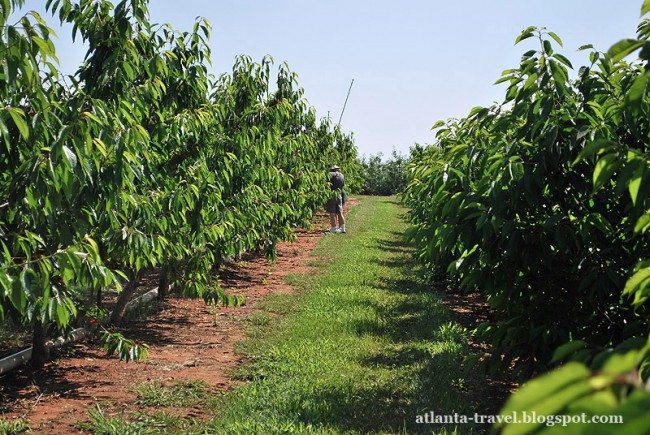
364 348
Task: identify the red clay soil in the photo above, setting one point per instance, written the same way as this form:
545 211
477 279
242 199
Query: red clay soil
188 340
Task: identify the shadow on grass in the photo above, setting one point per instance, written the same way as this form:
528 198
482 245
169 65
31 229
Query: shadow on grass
395 408
414 363
425 354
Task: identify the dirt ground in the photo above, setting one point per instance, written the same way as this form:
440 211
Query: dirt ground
188 341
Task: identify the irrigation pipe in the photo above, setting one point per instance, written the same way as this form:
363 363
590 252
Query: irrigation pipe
16 360
11 362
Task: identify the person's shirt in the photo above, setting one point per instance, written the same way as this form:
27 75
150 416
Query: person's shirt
337 181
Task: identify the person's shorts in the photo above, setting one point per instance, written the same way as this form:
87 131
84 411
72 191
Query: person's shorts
334 205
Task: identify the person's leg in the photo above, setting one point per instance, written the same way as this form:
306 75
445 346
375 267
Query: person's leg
332 222
341 220
339 215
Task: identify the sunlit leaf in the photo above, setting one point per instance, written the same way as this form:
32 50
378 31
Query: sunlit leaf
643 224
70 156
637 281
595 148
638 91
528 33
623 48
645 7
634 186
556 38
605 167
548 394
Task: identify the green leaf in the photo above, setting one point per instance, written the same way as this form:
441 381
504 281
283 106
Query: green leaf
92 117
594 148
638 281
51 308
605 167
17 296
634 186
43 45
525 34
548 48
645 7
5 281
7 254
539 389
622 48
18 116
27 276
619 364
5 133
548 394
438 124
62 315
634 414
504 79
70 156
600 222
531 81
638 91
478 109
563 60
567 349
556 38
6 10
643 224
559 75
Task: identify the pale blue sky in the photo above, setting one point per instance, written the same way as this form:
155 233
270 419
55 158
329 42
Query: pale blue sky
413 62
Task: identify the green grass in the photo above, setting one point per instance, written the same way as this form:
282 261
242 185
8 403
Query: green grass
161 402
364 348
141 423
17 426
183 394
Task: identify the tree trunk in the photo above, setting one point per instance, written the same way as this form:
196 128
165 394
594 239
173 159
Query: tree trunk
98 301
163 284
123 298
40 353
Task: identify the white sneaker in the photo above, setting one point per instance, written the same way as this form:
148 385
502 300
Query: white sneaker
342 229
334 230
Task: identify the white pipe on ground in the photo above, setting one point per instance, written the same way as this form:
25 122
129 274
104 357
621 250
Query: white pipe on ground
11 362
16 360
141 300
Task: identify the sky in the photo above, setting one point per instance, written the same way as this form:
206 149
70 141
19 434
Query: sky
413 62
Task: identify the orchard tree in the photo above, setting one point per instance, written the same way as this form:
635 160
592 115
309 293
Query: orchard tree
541 203
141 161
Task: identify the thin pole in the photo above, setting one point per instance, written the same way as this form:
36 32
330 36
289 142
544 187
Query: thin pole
346 102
